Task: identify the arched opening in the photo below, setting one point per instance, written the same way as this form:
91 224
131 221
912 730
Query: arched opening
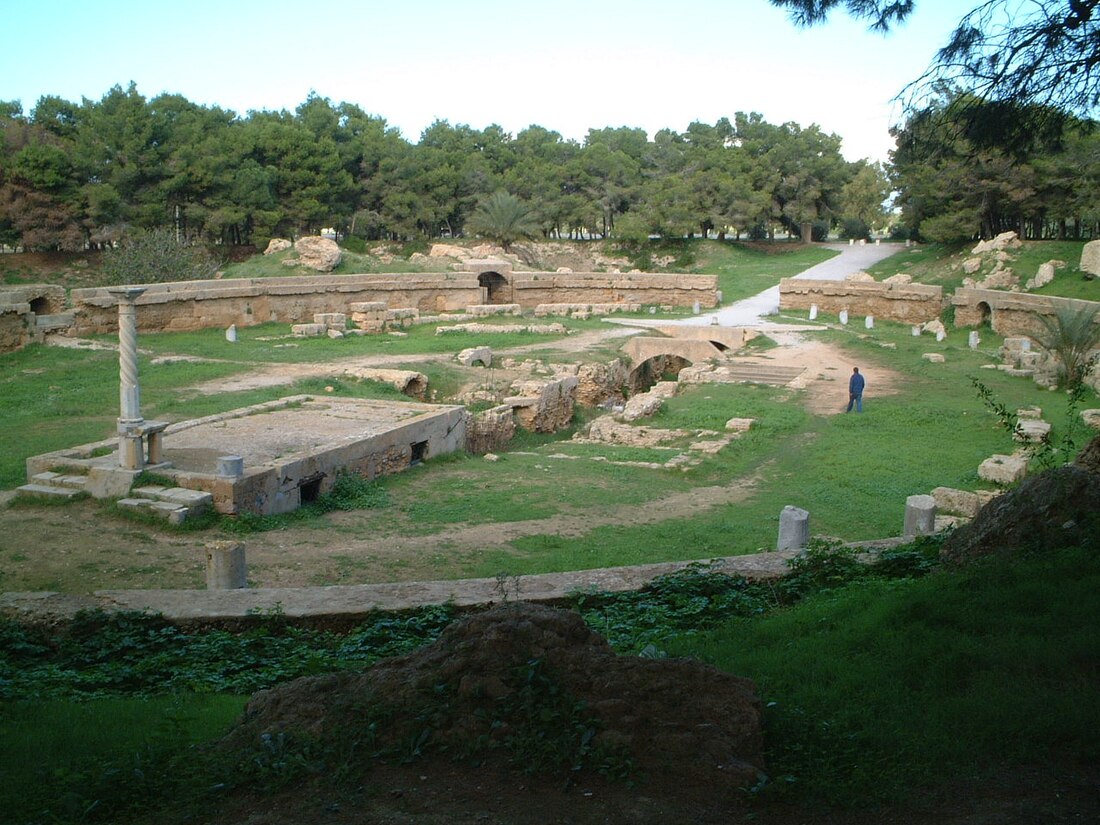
985 313
497 288
40 306
652 370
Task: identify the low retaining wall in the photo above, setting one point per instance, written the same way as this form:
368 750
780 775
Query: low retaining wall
189 305
905 303
529 289
1009 313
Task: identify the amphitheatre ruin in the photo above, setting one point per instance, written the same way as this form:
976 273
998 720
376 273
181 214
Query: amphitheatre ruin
273 457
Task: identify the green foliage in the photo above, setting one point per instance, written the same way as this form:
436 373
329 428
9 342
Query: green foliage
156 257
503 218
1071 335
133 654
885 687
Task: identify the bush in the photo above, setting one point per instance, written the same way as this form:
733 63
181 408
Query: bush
854 229
156 257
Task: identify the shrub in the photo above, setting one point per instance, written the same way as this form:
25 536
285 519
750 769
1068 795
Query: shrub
157 257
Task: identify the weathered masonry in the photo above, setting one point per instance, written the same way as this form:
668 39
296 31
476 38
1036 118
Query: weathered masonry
190 305
904 303
1008 313
274 457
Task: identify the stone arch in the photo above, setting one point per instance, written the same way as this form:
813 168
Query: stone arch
985 314
497 288
40 305
657 368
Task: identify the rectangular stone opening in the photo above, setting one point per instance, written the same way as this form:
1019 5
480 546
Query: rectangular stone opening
419 452
310 489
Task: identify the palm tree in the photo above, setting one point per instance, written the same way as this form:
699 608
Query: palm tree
1071 335
503 218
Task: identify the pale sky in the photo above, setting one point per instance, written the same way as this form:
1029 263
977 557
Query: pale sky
568 65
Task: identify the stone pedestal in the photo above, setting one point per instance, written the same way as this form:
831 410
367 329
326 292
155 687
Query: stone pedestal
230 466
794 528
844 316
225 566
920 516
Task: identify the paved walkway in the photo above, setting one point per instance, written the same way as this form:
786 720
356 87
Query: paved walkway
750 312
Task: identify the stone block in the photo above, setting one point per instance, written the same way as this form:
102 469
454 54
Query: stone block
370 307
335 320
740 425
307 330
476 355
1003 469
226 568
1090 258
920 516
1091 418
933 357
957 502
794 528
1031 431
1032 413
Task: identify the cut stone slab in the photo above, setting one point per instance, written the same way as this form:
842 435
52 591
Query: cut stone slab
740 425
933 357
1031 431
1091 418
46 491
957 502
1003 469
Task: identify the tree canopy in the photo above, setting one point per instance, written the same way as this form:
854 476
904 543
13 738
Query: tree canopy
1044 52
91 174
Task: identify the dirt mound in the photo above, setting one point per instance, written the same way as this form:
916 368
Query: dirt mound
1056 508
536 686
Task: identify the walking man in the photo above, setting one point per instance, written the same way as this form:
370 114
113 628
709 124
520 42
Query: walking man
855 391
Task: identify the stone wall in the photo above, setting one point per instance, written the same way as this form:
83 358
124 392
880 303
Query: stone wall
15 320
1008 313
905 303
529 289
490 431
189 305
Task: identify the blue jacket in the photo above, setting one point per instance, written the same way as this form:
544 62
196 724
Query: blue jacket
855 384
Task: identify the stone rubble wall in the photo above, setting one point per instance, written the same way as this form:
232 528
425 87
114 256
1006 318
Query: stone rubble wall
191 305
1010 313
530 289
489 431
16 322
905 303
544 406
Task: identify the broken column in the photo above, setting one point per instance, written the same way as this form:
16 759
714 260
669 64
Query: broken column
920 516
225 566
794 528
130 422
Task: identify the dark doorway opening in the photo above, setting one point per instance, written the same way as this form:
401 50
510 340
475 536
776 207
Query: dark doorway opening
40 306
496 286
419 452
310 489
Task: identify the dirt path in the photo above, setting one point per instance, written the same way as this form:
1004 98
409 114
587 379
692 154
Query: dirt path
274 375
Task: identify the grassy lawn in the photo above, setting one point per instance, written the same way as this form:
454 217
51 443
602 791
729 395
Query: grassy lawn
880 688
937 264
744 270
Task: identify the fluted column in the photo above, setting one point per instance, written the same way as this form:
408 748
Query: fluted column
129 390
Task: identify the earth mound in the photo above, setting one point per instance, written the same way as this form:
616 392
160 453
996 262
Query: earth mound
1057 508
537 686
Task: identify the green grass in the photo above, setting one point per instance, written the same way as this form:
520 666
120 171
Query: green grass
56 757
881 688
745 269
937 264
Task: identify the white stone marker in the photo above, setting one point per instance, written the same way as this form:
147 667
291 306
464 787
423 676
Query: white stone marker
973 339
813 312
920 516
844 316
916 332
794 528
225 566
231 334
695 308
869 322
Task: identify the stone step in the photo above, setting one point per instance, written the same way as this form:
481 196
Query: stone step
51 479
179 496
46 491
